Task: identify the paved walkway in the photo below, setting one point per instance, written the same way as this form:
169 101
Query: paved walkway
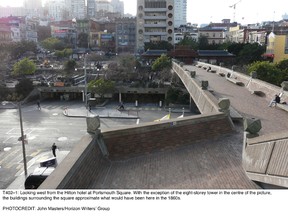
247 104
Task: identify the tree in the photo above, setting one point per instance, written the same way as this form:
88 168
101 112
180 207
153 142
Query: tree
19 48
267 72
161 63
250 53
24 87
283 66
190 42
43 32
127 62
64 53
83 40
162 45
70 65
203 43
101 86
53 44
24 67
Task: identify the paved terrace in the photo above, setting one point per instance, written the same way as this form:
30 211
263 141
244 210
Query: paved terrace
247 104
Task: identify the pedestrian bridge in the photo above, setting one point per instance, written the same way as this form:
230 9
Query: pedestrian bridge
206 151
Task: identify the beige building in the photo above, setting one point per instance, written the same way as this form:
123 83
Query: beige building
155 22
214 35
277 47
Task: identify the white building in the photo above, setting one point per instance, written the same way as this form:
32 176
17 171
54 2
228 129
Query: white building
113 6
76 8
155 22
56 9
180 13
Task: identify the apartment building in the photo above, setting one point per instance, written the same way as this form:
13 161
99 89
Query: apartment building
126 35
155 22
180 13
215 35
76 8
56 10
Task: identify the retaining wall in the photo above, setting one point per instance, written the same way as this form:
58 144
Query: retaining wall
265 159
203 99
82 167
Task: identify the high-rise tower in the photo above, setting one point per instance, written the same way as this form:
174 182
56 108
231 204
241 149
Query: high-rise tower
180 11
155 22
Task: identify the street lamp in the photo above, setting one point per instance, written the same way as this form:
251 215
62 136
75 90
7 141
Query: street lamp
85 83
22 136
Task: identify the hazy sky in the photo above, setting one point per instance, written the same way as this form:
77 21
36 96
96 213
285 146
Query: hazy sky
204 11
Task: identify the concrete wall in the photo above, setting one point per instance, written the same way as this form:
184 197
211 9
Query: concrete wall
83 166
204 100
146 138
265 159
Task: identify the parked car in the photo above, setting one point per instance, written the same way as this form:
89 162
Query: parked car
35 179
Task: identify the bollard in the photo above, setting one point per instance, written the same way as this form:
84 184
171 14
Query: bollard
204 84
192 74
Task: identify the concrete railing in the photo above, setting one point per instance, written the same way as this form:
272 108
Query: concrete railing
203 99
252 84
265 159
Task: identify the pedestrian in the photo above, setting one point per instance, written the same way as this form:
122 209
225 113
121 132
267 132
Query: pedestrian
38 105
54 147
275 101
121 106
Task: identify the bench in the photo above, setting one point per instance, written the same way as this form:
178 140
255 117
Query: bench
221 74
282 106
258 93
235 81
213 71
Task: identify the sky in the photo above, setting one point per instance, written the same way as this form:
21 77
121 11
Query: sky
205 11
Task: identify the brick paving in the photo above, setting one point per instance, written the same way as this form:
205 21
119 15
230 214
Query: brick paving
212 164
247 104
204 165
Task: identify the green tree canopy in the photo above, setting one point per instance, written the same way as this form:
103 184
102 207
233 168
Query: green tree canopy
101 86
161 63
267 72
52 44
64 53
24 67
250 53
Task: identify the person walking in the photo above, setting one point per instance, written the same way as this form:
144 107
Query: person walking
53 148
38 105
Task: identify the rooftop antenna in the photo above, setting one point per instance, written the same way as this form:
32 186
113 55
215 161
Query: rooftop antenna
234 9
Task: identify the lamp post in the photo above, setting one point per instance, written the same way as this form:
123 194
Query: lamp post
85 81
22 139
22 136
